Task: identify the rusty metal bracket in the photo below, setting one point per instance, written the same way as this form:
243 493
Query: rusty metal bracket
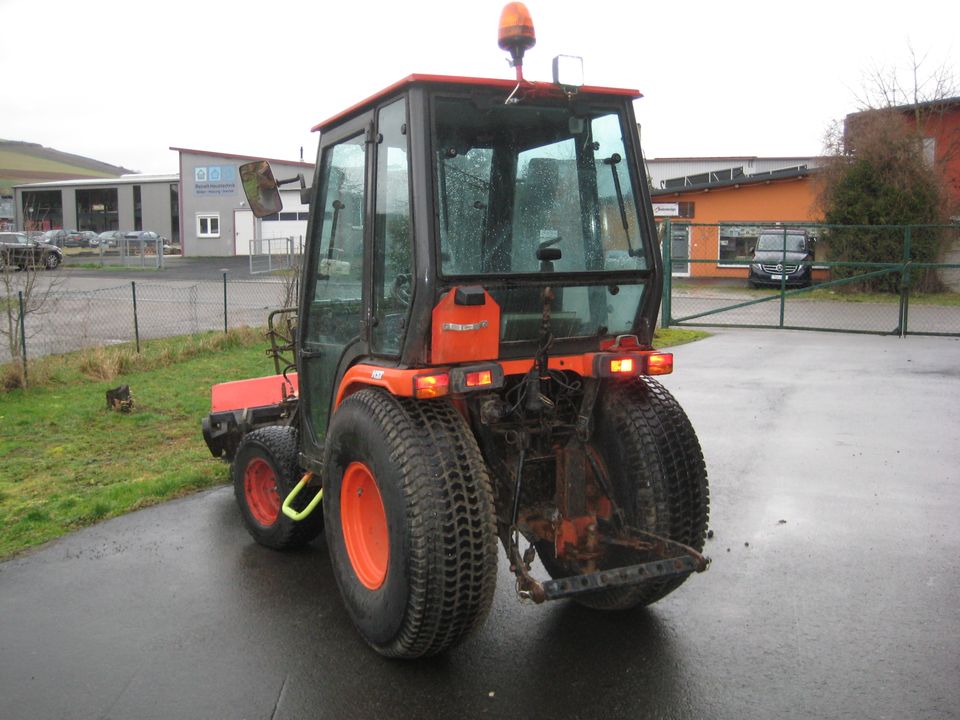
629 575
675 559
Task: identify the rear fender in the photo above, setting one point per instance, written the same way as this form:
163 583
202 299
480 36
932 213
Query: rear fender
244 405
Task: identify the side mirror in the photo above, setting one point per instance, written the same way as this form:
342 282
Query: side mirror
261 188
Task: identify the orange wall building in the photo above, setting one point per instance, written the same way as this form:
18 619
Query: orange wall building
718 223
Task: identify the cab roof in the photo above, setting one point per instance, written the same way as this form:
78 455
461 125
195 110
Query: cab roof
493 83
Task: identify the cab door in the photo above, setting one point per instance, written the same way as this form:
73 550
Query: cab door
333 322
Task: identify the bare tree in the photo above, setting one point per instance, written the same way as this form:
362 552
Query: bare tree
880 172
890 87
26 291
924 89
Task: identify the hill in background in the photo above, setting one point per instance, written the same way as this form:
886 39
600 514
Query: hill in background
23 162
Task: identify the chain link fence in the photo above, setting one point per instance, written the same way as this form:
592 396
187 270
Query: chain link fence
899 280
909 285
76 320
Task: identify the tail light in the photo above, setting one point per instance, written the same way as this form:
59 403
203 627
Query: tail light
659 364
478 379
458 380
473 378
431 386
633 365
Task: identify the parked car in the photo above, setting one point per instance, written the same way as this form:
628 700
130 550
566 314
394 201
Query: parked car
89 238
109 238
779 257
19 251
56 237
79 238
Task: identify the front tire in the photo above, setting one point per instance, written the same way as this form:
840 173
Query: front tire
264 472
410 522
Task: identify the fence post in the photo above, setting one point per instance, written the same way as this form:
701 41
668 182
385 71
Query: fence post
783 278
224 301
23 337
905 280
666 250
136 319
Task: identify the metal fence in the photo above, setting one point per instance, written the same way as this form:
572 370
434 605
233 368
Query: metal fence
276 253
915 292
902 280
75 320
125 252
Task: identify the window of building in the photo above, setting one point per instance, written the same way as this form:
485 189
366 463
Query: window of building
929 151
42 209
208 226
175 212
686 209
300 216
680 250
97 209
736 243
137 209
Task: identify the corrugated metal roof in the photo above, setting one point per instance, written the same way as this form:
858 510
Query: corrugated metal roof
87 182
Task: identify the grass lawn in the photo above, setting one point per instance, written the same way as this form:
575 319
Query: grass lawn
66 461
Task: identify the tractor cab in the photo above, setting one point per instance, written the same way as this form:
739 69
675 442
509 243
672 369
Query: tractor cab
443 211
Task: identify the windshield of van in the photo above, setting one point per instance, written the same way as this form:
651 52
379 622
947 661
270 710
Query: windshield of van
534 189
775 241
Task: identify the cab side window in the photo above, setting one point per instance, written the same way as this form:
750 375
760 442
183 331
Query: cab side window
334 315
337 293
393 261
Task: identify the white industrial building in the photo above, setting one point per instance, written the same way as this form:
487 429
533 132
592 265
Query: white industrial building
677 173
201 209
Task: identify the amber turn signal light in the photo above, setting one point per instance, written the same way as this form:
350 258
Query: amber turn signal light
431 386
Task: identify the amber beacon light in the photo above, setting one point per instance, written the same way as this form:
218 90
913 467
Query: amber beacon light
516 33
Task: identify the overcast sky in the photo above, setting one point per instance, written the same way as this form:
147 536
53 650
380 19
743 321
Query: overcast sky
123 81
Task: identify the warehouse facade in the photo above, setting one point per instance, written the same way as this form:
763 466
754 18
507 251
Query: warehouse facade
130 202
200 210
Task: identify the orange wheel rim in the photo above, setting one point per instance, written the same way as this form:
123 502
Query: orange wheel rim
364 523
260 487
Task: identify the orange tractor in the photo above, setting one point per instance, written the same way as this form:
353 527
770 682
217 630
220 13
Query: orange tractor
471 361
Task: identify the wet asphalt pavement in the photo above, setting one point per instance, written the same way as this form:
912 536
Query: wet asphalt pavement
834 592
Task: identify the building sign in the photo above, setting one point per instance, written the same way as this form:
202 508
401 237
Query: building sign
666 210
215 180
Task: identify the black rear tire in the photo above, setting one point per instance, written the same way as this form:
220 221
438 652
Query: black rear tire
264 471
656 470
434 582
